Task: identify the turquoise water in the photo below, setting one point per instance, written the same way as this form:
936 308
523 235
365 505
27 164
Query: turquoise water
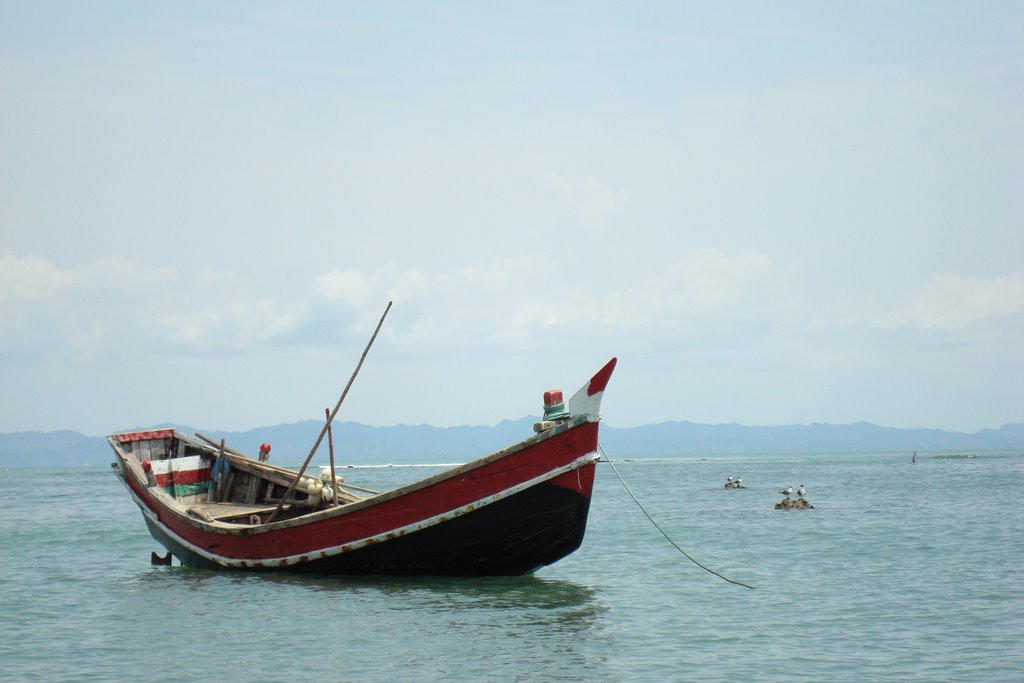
902 572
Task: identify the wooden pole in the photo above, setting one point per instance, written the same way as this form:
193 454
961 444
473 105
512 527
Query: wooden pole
330 443
330 418
223 482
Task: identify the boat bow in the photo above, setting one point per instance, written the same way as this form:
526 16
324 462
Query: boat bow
587 401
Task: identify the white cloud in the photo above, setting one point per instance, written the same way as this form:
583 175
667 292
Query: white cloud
114 304
35 279
347 287
482 299
191 329
238 323
591 200
514 298
354 289
707 281
704 283
949 303
30 278
43 306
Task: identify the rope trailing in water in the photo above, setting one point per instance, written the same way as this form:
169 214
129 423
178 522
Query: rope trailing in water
658 526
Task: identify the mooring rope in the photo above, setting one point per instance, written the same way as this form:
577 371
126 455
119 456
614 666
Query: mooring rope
658 526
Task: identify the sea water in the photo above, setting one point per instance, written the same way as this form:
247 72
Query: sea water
902 572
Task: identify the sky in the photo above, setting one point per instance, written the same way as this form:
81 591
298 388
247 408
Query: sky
771 213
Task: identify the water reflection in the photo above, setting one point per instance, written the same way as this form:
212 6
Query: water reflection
475 626
483 592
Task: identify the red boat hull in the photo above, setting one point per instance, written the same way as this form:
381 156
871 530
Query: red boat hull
509 513
537 527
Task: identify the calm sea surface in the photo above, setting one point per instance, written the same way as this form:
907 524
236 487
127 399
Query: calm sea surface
902 573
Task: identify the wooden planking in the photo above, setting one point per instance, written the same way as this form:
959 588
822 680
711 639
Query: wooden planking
250 493
226 494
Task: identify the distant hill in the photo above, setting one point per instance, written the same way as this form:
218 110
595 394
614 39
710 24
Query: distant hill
360 444
41 449
668 438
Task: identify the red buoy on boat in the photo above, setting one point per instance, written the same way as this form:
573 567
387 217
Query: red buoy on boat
554 406
264 451
552 398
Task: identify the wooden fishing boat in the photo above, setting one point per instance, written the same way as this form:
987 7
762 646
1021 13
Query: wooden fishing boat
510 512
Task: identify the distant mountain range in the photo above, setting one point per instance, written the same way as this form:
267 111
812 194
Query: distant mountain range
359 444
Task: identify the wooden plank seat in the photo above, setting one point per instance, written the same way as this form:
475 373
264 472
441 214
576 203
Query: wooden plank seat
220 512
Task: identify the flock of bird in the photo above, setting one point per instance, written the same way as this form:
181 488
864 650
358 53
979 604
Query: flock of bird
787 492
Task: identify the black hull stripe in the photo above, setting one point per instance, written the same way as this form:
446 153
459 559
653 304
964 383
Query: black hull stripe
515 535
275 563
